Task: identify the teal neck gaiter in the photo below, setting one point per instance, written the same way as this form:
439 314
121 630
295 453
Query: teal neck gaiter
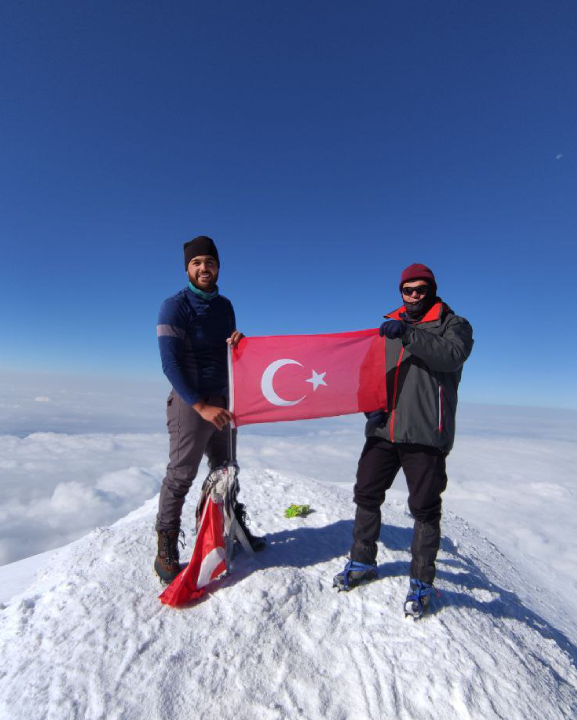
201 293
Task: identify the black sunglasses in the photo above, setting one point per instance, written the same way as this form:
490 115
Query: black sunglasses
420 290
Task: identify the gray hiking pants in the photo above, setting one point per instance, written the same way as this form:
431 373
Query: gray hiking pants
190 438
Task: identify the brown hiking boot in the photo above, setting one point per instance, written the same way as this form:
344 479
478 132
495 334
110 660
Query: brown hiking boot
166 564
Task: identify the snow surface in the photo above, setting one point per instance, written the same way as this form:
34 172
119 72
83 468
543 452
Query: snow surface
89 638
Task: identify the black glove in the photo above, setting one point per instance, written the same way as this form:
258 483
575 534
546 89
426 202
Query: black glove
393 329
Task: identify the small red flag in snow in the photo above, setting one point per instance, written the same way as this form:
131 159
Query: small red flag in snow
299 377
207 561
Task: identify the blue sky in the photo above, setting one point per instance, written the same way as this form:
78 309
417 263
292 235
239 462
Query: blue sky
324 146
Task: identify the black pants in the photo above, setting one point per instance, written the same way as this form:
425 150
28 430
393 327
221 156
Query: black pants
424 468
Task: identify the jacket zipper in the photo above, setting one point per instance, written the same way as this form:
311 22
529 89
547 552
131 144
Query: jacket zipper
440 408
391 426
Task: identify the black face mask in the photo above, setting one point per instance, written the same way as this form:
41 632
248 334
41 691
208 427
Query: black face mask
417 311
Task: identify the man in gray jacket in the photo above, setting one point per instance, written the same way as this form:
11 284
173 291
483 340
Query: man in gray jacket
426 347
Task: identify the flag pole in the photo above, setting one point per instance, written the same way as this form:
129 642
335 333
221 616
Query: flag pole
235 529
230 379
231 424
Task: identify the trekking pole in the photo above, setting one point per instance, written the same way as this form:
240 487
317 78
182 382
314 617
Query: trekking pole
231 452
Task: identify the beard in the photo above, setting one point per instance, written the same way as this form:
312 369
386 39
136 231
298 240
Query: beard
207 288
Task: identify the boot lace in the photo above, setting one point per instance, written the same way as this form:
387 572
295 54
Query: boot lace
170 545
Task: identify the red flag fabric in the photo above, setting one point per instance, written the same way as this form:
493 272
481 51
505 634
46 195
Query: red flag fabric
299 377
207 561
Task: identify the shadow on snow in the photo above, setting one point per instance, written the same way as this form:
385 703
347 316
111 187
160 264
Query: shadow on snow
303 547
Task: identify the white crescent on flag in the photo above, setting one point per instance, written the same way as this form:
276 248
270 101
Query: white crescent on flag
266 383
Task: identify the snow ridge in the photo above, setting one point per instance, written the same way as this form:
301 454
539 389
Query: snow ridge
89 639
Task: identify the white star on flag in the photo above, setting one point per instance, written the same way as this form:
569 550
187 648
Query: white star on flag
317 379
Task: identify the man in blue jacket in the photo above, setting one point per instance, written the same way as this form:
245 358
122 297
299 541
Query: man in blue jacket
194 327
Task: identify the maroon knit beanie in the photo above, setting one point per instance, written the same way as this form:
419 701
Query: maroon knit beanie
416 271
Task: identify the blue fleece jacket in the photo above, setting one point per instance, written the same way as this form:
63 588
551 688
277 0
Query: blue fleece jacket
192 332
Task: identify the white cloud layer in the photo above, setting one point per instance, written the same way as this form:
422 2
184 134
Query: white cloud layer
57 488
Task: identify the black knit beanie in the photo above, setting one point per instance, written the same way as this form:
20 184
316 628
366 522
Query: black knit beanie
201 245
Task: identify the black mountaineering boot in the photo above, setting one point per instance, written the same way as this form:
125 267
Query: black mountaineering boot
256 542
166 564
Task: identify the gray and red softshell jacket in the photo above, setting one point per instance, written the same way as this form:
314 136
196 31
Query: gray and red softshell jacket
423 374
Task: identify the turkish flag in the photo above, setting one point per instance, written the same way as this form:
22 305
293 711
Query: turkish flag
299 377
207 561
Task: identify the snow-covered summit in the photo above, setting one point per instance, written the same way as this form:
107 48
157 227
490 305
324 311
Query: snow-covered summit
89 638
